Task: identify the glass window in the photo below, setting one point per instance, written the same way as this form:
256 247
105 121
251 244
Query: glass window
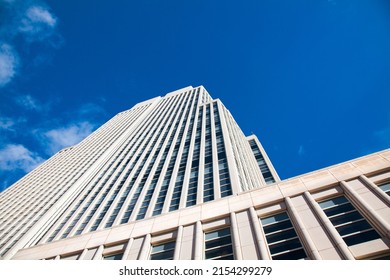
117 256
218 245
70 257
163 251
349 223
385 187
283 241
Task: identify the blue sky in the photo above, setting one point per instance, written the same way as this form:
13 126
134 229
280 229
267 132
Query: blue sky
311 78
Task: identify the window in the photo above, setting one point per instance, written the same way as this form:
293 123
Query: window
114 252
385 187
163 251
218 245
70 257
113 257
350 224
283 241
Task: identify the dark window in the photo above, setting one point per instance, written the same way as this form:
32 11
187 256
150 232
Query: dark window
163 251
218 245
283 241
385 187
349 223
113 257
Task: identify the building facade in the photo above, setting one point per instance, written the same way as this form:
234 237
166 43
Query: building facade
174 177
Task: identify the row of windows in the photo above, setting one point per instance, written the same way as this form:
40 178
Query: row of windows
282 239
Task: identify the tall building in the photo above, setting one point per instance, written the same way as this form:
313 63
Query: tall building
174 177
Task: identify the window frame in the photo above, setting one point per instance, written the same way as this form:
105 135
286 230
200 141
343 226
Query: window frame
205 240
151 254
277 255
349 238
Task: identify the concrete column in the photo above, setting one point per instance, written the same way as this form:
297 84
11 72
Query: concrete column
198 251
176 254
259 234
128 248
145 247
99 253
235 237
375 189
331 230
300 227
377 220
82 255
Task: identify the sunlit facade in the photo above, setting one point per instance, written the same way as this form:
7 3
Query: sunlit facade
174 177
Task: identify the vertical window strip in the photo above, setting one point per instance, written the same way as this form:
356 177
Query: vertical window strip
208 184
224 176
193 183
175 199
265 171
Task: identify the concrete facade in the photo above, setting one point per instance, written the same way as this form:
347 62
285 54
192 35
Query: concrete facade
247 212
359 180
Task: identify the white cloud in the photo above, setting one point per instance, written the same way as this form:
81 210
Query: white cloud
40 14
28 102
9 124
30 22
38 23
8 64
18 157
60 138
6 123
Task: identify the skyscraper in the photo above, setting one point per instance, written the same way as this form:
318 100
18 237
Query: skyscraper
174 177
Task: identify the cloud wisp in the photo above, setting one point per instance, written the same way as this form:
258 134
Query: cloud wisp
8 63
30 21
16 156
9 123
30 103
37 24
